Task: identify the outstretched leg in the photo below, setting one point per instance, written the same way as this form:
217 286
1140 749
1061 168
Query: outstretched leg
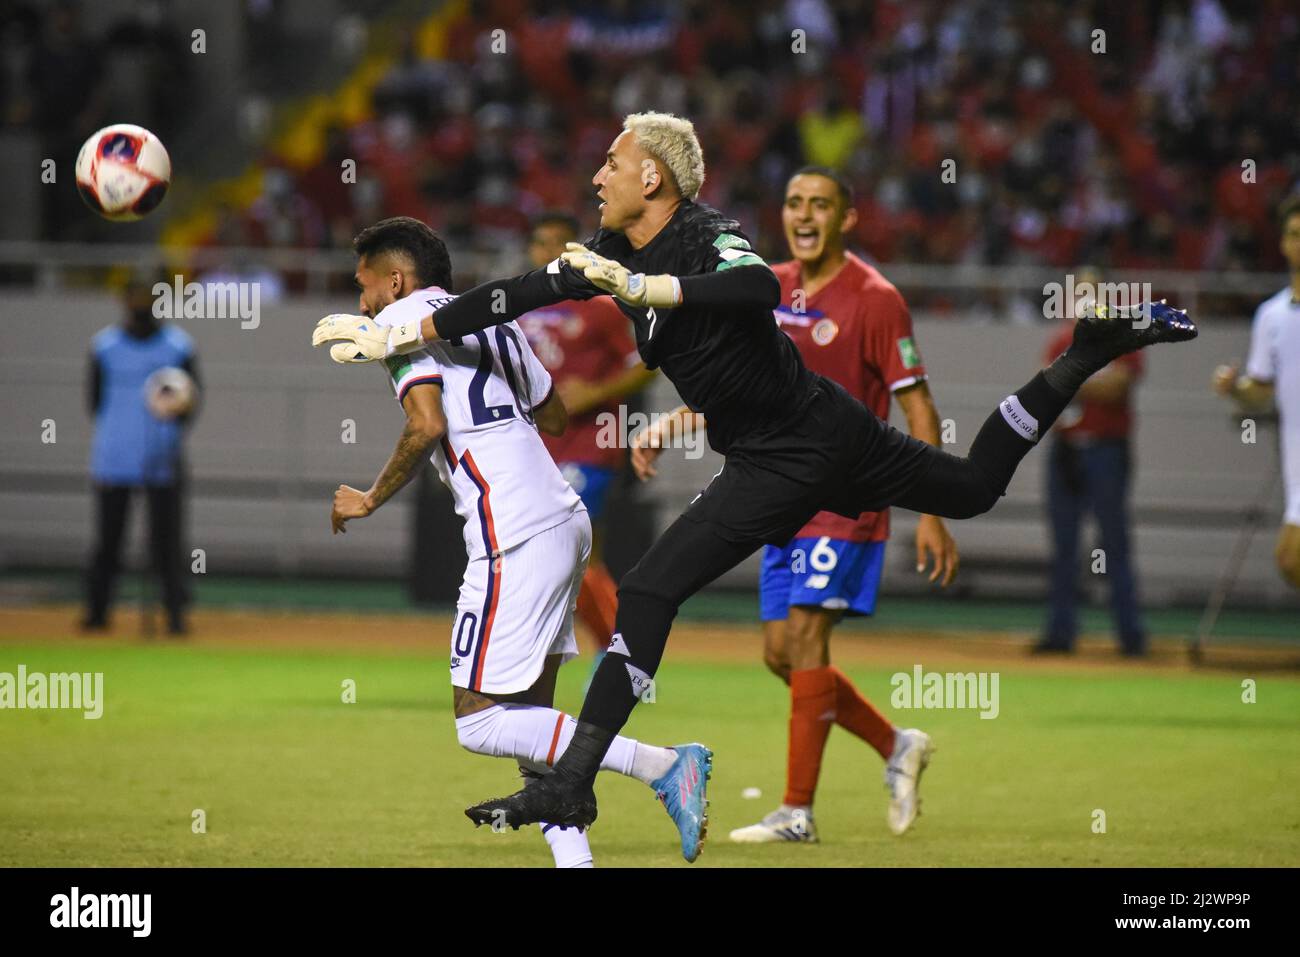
954 487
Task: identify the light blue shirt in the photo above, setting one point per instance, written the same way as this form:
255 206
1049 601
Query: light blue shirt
131 447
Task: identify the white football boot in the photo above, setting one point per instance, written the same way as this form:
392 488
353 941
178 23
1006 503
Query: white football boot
912 750
783 824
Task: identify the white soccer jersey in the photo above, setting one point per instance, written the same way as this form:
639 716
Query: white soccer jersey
506 486
1275 358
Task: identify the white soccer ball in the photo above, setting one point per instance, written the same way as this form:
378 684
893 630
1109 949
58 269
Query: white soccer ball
169 392
123 172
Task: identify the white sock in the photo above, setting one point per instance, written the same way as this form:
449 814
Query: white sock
569 845
536 737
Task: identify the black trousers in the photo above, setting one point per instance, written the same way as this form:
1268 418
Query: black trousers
112 509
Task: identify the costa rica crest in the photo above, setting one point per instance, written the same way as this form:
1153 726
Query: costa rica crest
824 330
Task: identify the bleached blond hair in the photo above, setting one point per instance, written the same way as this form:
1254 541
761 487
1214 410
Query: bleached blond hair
672 141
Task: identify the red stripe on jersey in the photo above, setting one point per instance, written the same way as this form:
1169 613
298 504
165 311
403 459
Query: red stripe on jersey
555 740
494 573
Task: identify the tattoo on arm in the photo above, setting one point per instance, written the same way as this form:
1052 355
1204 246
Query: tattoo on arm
412 449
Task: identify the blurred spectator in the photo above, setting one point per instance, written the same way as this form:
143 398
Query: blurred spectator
140 417
1089 471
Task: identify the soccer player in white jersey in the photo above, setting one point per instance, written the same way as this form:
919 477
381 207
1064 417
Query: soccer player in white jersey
476 405
1273 373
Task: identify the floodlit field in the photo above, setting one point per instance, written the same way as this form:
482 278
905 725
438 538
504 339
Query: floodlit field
246 722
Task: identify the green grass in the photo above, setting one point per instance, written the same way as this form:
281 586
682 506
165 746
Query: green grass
1186 773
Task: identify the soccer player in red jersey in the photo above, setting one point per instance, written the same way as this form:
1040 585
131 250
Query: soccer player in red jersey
850 325
587 347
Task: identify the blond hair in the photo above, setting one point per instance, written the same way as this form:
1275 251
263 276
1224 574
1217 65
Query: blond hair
672 141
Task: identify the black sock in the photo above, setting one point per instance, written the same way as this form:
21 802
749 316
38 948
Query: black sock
581 759
1073 366
641 628
1015 427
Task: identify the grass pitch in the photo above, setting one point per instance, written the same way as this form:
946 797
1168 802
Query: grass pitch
255 734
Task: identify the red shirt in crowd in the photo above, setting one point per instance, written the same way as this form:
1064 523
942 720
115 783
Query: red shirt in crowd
857 331
1084 419
587 340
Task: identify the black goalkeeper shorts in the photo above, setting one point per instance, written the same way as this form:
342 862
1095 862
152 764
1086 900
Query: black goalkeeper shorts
834 456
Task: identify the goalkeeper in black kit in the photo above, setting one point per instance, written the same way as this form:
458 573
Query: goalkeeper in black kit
795 443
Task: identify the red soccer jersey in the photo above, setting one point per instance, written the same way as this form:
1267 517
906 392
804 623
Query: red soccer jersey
1083 419
588 340
857 331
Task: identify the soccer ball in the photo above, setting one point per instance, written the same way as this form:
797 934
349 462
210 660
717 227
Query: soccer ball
169 392
123 172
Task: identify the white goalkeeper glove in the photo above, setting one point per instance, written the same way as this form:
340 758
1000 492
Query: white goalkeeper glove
364 340
634 288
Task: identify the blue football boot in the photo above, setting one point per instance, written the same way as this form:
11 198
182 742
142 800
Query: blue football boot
682 793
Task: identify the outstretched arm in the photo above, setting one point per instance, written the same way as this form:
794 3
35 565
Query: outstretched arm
501 300
362 339
425 425
744 280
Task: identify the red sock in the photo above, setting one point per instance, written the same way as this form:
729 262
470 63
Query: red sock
812 712
857 715
598 603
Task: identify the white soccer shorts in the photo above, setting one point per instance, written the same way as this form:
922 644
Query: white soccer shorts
517 609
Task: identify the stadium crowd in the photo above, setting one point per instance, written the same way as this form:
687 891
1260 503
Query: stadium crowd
1124 134
1062 154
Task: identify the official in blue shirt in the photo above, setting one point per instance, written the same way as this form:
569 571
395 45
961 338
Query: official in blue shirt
140 418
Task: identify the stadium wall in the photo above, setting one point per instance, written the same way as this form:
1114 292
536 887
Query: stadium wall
268 449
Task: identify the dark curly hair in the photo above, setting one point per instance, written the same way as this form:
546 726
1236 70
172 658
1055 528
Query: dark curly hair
410 238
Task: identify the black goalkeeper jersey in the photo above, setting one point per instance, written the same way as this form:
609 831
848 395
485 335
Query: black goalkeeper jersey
731 362
721 347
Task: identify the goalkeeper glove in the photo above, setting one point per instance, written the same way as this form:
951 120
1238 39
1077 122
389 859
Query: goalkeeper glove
364 340
634 288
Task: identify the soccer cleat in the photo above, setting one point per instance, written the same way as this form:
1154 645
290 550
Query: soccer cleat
682 793
912 750
552 799
1120 330
784 824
